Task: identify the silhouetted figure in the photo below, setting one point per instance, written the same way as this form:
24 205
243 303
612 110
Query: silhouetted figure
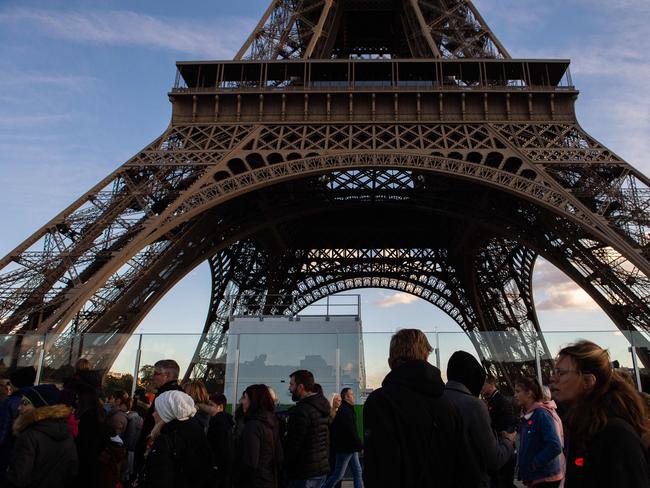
413 437
487 452
346 442
307 438
503 419
221 441
259 456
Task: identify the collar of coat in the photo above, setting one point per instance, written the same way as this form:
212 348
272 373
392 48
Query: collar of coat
458 386
31 416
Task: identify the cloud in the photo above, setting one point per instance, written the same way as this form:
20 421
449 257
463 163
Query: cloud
512 14
12 121
558 291
610 62
126 28
395 299
20 79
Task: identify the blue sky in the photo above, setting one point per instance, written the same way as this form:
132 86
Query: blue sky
84 87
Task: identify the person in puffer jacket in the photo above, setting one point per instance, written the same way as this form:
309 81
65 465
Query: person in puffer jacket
540 457
44 455
307 444
259 457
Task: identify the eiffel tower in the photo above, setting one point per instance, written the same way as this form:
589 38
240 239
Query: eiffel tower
351 144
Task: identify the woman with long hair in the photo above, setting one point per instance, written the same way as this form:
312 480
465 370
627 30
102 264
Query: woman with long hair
605 423
205 408
259 457
540 458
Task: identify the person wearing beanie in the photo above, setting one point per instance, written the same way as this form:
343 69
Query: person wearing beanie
44 454
487 452
9 411
180 455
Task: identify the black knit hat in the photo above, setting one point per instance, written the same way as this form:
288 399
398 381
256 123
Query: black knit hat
465 369
23 377
42 395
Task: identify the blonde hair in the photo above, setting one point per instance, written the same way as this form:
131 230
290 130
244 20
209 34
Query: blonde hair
82 364
274 395
408 345
196 389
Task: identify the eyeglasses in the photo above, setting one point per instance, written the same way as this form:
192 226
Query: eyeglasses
559 372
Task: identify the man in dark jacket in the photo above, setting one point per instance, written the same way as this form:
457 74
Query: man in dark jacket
503 419
220 437
165 378
44 454
413 437
307 439
9 411
487 452
346 441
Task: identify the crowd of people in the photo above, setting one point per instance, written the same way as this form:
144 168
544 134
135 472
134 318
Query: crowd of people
590 429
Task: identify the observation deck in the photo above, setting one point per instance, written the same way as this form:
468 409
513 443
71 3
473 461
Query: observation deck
373 90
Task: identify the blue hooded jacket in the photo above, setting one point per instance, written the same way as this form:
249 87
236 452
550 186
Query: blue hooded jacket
540 445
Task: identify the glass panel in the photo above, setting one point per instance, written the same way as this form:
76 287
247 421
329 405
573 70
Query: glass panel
102 350
270 359
351 365
451 342
232 370
642 354
179 347
120 373
375 352
616 342
18 351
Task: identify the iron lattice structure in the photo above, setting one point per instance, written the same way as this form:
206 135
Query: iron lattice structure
351 144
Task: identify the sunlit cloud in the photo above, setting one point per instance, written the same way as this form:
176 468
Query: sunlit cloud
558 291
394 299
126 28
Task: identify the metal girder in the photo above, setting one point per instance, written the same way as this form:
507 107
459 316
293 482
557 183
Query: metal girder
506 338
322 29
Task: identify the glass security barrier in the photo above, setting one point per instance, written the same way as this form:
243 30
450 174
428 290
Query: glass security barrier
337 357
18 351
154 347
62 351
270 358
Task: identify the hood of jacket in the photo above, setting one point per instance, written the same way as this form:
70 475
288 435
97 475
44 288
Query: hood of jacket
550 406
419 376
52 420
319 402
